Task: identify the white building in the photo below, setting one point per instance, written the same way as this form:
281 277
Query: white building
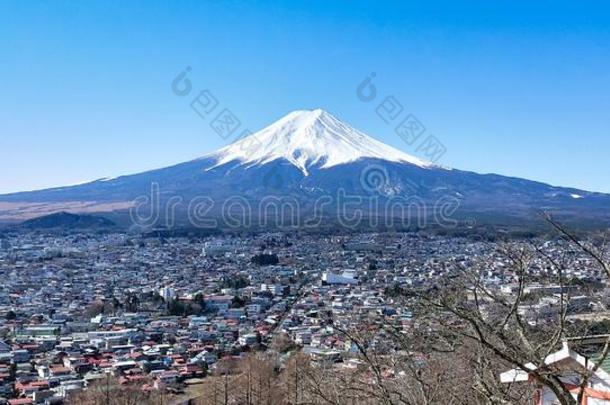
597 390
167 293
347 278
275 289
248 340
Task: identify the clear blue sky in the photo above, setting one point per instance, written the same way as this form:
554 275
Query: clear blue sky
516 88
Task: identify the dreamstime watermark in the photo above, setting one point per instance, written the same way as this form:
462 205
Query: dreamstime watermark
378 202
407 126
353 209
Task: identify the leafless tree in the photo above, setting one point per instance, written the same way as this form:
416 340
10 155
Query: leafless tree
109 391
466 332
462 308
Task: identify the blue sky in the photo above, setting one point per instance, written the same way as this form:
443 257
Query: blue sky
516 88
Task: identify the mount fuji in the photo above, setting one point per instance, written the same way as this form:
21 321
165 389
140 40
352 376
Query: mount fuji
310 138
311 169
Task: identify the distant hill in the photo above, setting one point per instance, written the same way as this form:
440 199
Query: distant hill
67 221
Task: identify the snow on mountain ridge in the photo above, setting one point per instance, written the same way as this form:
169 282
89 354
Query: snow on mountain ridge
310 137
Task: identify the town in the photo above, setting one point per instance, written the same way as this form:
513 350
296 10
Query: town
162 313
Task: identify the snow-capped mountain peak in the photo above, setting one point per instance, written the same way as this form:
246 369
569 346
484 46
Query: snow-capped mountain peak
310 137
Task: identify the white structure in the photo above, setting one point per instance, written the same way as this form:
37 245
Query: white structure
597 391
275 289
215 249
346 278
248 340
167 293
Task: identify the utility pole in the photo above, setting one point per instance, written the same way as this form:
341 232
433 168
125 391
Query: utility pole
226 388
296 381
107 389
